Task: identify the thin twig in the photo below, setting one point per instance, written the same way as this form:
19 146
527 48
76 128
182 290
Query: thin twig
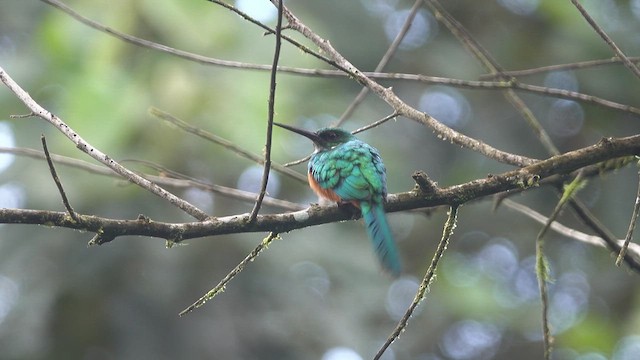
56 179
591 240
95 153
632 226
272 100
183 125
542 266
427 280
591 221
625 60
173 178
179 181
383 62
282 36
376 123
356 131
223 283
23 116
560 67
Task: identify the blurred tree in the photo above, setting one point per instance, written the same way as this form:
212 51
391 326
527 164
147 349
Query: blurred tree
303 299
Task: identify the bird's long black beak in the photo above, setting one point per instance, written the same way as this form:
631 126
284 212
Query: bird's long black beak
308 134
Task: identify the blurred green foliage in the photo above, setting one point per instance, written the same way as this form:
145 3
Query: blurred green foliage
319 288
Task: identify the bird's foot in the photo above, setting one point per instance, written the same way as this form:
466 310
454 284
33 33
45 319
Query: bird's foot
351 208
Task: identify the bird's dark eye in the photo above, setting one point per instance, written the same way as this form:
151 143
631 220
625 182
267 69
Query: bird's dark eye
331 135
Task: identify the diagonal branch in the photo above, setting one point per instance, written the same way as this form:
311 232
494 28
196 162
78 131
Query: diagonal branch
383 62
56 179
607 39
225 143
403 109
487 61
95 153
427 280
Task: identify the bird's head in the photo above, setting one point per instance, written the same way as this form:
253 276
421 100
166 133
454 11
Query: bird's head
323 139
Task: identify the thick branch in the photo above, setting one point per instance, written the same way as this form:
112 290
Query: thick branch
315 215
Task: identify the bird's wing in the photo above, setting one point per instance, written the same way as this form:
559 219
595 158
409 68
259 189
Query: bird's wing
353 172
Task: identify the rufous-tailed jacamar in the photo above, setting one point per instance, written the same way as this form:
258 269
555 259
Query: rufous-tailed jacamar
345 169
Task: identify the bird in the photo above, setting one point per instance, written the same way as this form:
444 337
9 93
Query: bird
343 169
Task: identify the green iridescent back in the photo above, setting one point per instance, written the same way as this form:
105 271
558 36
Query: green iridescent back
353 169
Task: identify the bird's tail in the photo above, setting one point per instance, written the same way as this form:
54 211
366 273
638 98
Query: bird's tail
379 232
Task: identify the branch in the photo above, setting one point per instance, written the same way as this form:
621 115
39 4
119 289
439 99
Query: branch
442 131
87 148
383 62
625 60
223 283
56 179
175 180
487 61
315 215
576 235
561 67
271 111
341 73
632 226
183 125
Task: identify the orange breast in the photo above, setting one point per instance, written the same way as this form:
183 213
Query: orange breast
324 193
327 193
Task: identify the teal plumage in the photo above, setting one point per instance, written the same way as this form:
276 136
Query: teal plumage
344 168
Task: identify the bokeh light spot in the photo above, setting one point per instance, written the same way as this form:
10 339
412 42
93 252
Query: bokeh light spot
400 295
520 7
200 198
627 348
525 283
470 339
591 356
565 118
7 139
12 196
260 10
499 259
635 8
564 80
313 275
9 292
447 105
341 353
251 178
423 28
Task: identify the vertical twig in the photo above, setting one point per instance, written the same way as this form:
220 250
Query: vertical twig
429 277
542 267
54 175
272 97
625 60
632 226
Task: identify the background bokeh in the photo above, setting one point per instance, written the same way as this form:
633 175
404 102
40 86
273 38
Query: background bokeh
318 293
